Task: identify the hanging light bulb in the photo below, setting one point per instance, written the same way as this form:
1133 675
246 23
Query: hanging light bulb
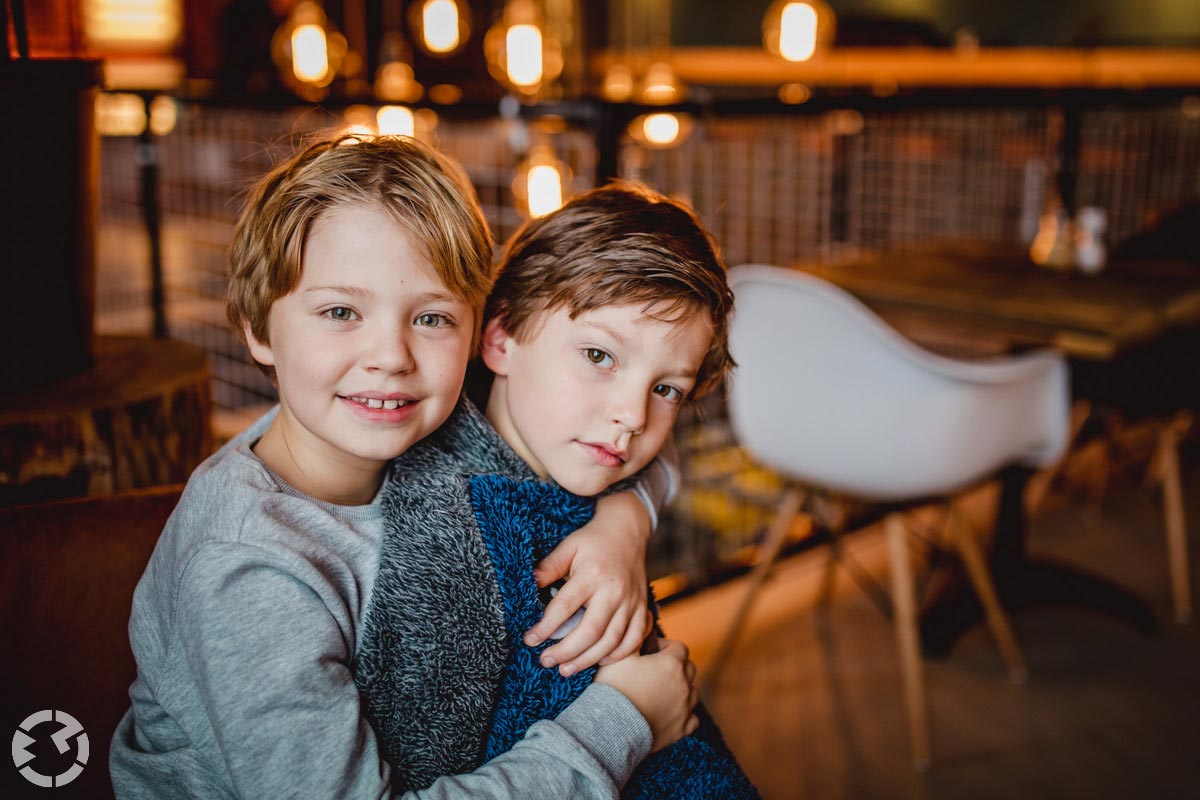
308 50
661 129
359 120
394 79
396 121
618 84
540 181
797 31
520 56
440 27
660 86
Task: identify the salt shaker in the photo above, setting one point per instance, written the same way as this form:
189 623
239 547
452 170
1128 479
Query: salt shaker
1090 251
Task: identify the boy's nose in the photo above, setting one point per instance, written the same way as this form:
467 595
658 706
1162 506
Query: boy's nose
391 354
629 411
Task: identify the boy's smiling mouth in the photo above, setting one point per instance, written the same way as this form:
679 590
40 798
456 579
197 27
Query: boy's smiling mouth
380 407
378 402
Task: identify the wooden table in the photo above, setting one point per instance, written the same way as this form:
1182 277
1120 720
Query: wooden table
138 417
996 299
966 300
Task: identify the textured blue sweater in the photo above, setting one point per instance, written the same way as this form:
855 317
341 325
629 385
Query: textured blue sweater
521 522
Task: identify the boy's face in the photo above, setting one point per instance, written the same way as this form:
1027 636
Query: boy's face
591 400
369 349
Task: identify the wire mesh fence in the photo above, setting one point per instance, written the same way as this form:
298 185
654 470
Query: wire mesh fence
775 189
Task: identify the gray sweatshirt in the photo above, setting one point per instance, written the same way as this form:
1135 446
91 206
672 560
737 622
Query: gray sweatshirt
244 627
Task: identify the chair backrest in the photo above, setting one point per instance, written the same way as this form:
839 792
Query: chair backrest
827 393
67 574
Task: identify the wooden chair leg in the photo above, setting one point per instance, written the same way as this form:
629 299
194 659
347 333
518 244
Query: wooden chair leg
985 590
1043 480
788 507
904 597
1177 556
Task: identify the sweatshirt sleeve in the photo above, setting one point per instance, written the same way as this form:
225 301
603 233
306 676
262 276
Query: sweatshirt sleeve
589 751
659 481
270 662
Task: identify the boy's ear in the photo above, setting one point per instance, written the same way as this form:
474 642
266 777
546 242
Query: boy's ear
495 346
259 351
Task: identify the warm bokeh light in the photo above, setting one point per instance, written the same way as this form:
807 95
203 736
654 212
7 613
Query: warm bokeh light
310 56
439 25
396 121
541 180
618 83
660 86
520 54
132 24
120 114
545 191
798 32
795 93
164 113
523 55
661 129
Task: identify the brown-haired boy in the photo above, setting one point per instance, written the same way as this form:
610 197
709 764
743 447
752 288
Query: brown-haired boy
606 317
357 274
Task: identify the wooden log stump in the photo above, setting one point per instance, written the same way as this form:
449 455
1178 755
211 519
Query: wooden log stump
139 417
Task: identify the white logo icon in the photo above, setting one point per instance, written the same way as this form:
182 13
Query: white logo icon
70 730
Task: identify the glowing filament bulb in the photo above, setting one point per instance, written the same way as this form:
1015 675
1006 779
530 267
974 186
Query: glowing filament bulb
310 57
545 190
396 121
798 32
523 55
661 128
439 24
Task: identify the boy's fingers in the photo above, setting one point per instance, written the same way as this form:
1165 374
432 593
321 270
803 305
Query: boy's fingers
603 646
558 611
554 566
635 634
588 632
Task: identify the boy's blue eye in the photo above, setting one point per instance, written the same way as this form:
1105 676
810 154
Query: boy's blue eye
433 320
597 356
340 313
668 392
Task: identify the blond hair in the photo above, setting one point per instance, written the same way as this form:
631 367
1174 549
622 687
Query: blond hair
426 193
620 244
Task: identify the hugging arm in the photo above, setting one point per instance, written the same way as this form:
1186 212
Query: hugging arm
263 642
604 563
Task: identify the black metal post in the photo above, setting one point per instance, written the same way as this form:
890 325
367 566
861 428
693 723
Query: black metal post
147 159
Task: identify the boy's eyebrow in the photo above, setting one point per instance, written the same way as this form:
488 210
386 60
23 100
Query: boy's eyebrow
354 290
621 340
359 291
448 297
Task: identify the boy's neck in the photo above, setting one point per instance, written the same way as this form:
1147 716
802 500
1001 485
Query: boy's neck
321 476
497 414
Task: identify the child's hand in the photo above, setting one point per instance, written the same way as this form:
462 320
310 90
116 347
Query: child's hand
662 686
605 565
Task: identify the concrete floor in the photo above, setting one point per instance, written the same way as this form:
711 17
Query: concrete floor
811 702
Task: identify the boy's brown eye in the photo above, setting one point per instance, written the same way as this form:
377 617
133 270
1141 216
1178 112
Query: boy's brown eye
431 320
596 355
341 314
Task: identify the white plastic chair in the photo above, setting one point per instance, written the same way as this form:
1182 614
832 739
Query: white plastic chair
829 395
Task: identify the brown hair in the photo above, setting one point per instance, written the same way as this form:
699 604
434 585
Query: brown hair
617 245
428 195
